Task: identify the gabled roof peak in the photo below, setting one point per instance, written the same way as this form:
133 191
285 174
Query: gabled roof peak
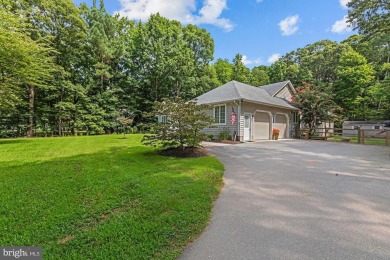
274 88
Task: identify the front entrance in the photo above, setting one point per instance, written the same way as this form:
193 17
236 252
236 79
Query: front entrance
247 127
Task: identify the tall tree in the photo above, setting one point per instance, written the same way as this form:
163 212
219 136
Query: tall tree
321 59
24 62
106 37
168 60
62 28
224 70
370 17
354 77
208 80
240 72
259 76
283 70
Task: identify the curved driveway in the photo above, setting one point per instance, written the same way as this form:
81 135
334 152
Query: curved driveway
293 199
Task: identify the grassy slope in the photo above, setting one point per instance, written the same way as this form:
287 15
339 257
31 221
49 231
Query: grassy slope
102 197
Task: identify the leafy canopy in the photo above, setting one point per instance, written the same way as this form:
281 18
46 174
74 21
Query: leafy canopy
23 61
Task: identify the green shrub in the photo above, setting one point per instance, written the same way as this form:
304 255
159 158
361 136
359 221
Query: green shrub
183 125
224 135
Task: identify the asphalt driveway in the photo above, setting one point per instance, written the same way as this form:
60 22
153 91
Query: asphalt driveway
297 199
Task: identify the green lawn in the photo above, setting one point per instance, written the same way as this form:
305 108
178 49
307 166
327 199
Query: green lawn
102 197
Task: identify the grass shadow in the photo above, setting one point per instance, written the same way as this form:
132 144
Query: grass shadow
14 141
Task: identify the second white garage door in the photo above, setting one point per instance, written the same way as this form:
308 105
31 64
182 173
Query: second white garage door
261 126
281 124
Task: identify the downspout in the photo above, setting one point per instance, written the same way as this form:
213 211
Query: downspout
271 128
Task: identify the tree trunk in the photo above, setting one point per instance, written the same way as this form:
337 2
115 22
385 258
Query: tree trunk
59 125
178 89
31 99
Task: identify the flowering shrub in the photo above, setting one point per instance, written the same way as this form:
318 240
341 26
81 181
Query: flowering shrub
275 131
316 104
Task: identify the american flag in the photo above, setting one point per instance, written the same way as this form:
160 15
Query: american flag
233 116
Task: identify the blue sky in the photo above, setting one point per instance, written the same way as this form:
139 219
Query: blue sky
261 30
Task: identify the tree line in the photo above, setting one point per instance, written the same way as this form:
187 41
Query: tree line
354 74
65 69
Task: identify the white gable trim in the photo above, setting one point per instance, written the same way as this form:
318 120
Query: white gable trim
289 86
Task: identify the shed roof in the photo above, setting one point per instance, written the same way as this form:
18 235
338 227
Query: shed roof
364 123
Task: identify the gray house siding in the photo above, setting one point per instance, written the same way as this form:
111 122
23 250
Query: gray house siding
253 109
215 129
284 93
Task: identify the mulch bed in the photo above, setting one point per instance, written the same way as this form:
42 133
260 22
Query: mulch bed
186 153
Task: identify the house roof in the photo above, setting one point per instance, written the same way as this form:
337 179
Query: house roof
273 89
235 90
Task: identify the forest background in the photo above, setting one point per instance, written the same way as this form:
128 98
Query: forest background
66 69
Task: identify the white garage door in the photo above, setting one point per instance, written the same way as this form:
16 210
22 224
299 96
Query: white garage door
281 124
262 123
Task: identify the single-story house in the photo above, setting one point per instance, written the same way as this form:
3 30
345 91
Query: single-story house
251 113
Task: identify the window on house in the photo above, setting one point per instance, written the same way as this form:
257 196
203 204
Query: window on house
295 117
377 127
220 114
355 127
247 119
162 119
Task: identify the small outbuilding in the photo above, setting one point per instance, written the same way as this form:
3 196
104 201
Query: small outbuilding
372 128
251 113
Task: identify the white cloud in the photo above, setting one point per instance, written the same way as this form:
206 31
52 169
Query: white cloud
341 26
247 61
259 1
184 11
289 26
274 57
344 3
